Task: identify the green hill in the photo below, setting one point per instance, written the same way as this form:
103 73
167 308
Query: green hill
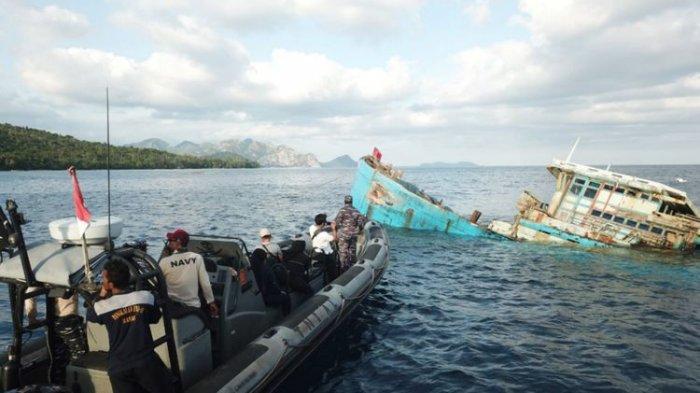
27 148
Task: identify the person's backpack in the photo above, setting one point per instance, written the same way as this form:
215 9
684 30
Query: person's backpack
279 271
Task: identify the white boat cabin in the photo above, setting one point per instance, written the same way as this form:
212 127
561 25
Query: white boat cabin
626 208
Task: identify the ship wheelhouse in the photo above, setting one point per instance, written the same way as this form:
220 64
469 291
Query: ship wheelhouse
623 209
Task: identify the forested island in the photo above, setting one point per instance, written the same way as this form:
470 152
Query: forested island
23 148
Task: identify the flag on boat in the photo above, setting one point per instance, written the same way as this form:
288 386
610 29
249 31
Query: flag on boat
82 214
377 154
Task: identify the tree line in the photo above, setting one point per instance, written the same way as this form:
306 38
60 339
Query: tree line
24 148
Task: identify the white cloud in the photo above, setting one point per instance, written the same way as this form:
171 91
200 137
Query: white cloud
618 53
363 17
603 70
45 25
479 11
294 77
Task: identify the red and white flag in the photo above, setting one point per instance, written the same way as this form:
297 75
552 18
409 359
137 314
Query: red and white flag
377 154
81 211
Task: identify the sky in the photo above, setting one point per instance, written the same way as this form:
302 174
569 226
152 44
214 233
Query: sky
487 81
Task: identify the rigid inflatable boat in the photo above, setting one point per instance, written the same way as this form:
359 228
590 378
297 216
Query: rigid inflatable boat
252 348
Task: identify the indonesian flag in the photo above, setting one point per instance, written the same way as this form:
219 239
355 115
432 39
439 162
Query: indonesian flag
81 212
377 154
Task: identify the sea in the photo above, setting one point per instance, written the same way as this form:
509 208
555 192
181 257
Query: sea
451 314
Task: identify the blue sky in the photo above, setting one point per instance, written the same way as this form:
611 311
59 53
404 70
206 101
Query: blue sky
493 82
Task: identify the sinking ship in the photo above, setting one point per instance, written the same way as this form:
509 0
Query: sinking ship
380 193
595 207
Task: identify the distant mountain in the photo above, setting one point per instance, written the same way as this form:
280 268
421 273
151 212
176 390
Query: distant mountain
343 161
265 154
27 148
151 143
438 164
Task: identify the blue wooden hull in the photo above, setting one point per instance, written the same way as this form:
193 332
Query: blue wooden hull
391 203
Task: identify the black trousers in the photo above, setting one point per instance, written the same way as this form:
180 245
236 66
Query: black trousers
330 265
151 376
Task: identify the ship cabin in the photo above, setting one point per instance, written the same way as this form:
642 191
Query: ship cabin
623 210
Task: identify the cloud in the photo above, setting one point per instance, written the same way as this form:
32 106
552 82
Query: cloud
479 11
357 17
45 25
608 72
292 77
595 62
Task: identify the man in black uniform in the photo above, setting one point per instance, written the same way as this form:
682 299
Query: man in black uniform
133 364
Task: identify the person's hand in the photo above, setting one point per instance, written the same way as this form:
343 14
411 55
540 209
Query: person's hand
213 309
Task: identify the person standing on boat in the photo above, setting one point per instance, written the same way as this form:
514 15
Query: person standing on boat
348 224
133 365
322 236
185 274
71 342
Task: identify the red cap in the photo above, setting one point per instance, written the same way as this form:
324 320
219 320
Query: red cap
179 234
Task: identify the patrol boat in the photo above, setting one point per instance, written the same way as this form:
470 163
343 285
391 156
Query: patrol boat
254 346
599 208
380 193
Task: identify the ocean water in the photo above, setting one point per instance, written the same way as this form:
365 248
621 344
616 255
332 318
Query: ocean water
451 314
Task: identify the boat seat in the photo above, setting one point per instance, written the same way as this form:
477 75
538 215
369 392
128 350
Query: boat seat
192 342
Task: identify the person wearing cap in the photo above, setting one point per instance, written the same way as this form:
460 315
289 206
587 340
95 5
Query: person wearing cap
185 274
348 224
266 244
322 235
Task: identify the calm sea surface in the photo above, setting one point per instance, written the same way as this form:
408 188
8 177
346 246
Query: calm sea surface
451 314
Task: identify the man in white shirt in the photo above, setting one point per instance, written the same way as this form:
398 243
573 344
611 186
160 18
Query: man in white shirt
185 274
322 235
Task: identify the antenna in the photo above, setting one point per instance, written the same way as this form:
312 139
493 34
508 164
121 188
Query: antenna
109 196
571 153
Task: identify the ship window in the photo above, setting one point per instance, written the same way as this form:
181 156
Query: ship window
619 220
594 184
657 230
631 193
590 192
580 181
576 189
620 190
596 213
643 226
645 196
608 187
631 223
607 216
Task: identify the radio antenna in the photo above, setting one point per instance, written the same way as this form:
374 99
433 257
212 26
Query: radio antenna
109 196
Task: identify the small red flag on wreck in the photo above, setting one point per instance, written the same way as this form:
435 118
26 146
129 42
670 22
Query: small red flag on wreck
377 154
81 211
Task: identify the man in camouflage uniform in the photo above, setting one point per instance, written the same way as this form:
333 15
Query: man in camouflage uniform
348 224
71 341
